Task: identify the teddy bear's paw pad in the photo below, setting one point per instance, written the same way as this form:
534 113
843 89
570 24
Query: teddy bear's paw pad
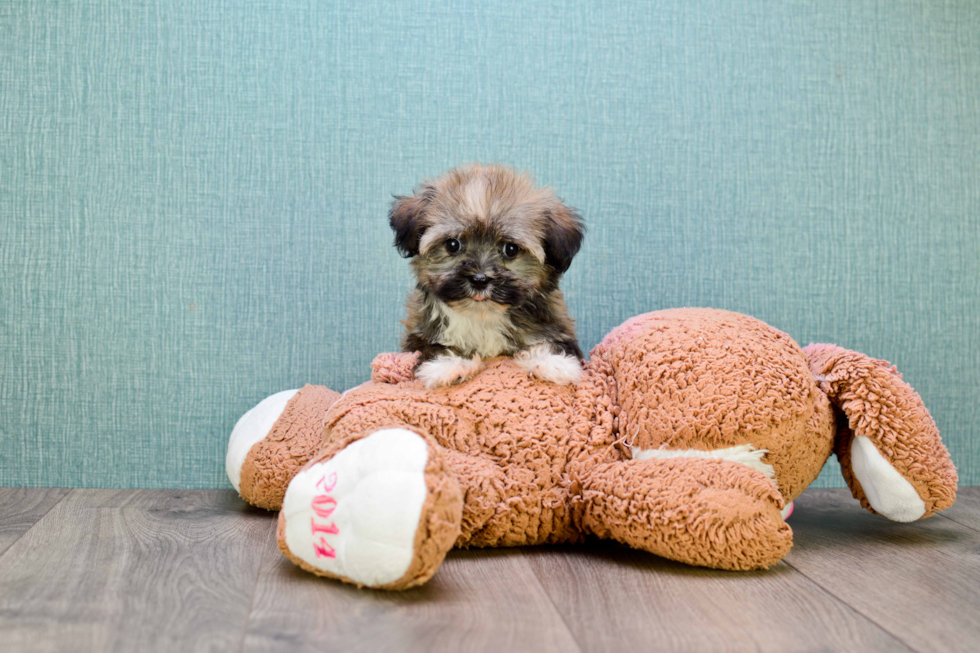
251 428
356 515
888 492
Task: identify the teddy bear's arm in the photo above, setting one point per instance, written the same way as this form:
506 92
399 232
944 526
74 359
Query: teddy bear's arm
394 367
889 450
702 511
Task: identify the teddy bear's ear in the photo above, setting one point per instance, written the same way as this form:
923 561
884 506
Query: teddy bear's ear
407 220
563 234
890 453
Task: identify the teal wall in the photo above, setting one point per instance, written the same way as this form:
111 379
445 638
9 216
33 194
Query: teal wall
193 194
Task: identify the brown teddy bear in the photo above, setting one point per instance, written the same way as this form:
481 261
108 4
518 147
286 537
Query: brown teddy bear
689 435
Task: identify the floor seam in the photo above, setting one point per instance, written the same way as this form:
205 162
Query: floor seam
255 588
38 520
547 594
957 521
856 610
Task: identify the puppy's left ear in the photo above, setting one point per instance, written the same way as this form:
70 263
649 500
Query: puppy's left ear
407 220
564 231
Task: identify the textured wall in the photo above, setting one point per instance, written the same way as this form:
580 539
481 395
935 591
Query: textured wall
193 195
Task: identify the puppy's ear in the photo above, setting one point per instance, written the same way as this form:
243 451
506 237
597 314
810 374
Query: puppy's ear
564 231
407 220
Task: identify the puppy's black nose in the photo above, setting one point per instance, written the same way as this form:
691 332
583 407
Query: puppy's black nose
479 281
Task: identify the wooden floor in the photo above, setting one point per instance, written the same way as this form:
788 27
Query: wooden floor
170 570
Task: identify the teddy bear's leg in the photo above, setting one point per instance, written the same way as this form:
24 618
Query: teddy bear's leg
701 511
381 510
273 440
486 514
889 449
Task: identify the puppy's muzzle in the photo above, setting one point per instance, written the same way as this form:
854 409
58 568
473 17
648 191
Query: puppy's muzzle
479 281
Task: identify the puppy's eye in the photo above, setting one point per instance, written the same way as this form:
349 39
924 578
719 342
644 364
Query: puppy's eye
452 245
511 250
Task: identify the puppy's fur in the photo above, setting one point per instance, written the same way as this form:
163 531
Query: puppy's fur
487 249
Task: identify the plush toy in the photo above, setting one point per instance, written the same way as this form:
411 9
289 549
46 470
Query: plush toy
689 435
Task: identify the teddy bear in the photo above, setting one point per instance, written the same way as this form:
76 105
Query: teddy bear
688 436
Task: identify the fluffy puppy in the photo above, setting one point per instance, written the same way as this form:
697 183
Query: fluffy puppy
487 249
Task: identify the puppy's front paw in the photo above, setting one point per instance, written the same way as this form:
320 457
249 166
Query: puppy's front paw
540 361
447 370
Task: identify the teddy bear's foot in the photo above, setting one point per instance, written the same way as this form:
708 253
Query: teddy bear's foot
273 440
382 512
250 428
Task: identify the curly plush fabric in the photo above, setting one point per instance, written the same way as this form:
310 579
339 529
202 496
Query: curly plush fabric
518 461
507 439
393 368
294 439
704 379
880 406
700 511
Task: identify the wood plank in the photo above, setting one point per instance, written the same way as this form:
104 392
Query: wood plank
966 510
618 599
21 508
129 570
479 600
919 581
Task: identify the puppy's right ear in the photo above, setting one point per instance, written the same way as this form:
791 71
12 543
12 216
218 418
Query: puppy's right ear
407 220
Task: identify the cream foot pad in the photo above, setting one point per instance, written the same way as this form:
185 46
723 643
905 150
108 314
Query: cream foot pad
252 427
356 514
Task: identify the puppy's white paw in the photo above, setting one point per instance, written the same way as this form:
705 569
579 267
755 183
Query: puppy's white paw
540 361
447 370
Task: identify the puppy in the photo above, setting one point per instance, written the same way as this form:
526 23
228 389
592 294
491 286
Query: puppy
487 250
